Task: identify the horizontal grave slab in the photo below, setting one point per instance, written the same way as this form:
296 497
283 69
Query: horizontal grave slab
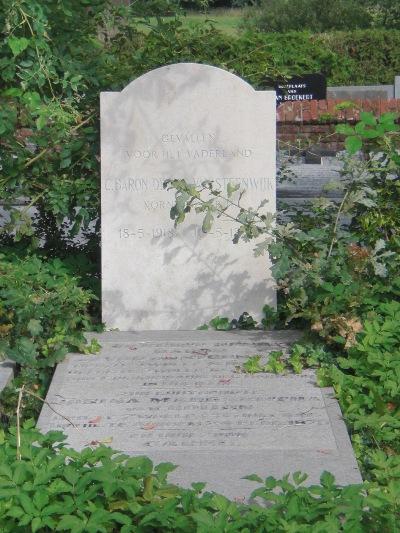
182 397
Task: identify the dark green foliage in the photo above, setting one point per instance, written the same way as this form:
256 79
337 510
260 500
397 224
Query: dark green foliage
42 311
32 379
49 147
245 321
56 57
366 57
361 57
367 381
46 487
332 274
345 58
315 16
332 266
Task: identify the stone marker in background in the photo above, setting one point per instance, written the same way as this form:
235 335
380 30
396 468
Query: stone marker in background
6 373
180 397
193 122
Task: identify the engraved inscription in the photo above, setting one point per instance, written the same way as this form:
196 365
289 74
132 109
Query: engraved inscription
188 137
152 205
215 153
156 184
170 233
184 396
170 140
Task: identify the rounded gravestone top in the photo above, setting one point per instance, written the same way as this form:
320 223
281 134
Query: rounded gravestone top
195 74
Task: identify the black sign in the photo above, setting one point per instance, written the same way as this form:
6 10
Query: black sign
301 88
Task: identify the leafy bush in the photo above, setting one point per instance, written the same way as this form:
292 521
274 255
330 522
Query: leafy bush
44 486
332 267
42 311
296 15
367 381
57 57
345 58
366 56
49 142
359 57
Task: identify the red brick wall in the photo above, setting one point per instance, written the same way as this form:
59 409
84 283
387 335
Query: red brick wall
314 121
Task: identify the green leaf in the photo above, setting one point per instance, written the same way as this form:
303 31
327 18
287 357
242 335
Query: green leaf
20 473
121 518
220 323
368 118
254 477
360 128
70 523
204 518
17 44
141 465
198 487
36 524
15 512
344 129
59 486
389 127
253 365
327 479
13 91
148 488
181 201
40 498
53 509
41 122
34 327
232 188
220 502
71 475
163 469
371 134
353 144
299 478
168 491
32 100
65 163
207 222
27 504
388 118
261 248
24 351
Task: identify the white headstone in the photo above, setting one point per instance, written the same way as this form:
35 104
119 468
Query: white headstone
194 122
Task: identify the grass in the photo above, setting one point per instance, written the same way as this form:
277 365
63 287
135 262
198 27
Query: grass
226 20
